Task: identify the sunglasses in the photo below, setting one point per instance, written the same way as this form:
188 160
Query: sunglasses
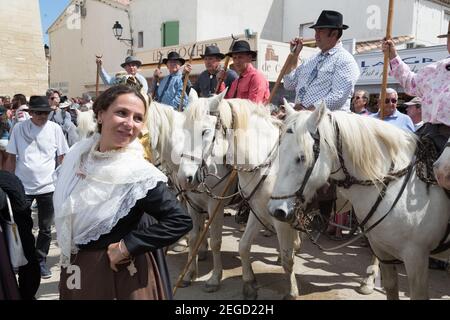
387 100
357 98
53 98
40 113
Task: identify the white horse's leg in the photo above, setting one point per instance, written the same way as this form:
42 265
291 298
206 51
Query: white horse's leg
213 283
368 284
194 234
416 266
286 238
251 230
297 242
389 280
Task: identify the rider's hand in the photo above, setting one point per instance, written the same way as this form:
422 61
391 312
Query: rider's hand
390 46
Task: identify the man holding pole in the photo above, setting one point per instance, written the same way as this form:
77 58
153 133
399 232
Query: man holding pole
171 86
207 81
251 83
330 75
131 66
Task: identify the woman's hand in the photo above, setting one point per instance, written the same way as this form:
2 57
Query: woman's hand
116 255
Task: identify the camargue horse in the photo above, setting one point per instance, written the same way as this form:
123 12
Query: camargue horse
410 219
167 138
442 167
250 137
213 178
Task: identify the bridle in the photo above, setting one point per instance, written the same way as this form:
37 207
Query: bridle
299 193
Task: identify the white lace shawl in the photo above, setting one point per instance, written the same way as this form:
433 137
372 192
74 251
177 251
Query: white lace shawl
94 190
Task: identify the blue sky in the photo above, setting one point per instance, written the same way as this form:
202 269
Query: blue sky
50 10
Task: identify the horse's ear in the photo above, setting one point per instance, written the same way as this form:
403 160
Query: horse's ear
215 101
316 117
193 96
288 107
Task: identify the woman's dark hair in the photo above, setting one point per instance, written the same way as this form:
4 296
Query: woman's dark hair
109 96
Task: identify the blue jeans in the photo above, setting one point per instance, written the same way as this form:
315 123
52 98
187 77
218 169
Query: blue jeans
45 221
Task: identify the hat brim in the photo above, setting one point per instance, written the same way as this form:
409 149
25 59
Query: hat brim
218 55
253 53
178 59
444 35
139 63
327 26
40 108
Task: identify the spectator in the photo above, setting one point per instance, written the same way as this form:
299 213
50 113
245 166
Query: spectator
361 102
19 104
32 148
414 111
392 115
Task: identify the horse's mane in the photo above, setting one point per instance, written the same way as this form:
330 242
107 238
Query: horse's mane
86 123
160 120
372 145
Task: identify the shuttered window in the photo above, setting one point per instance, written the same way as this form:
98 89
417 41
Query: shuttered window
170 32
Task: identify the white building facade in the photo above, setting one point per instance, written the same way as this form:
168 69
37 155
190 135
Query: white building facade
162 25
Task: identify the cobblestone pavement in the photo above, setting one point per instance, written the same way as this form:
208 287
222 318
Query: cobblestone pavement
320 275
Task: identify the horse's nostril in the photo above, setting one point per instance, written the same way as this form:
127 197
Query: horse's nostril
279 214
190 179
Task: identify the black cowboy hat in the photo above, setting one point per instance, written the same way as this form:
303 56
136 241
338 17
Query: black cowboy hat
39 103
242 46
447 34
213 51
131 59
330 19
173 56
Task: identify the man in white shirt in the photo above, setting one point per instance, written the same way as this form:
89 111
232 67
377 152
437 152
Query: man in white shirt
35 147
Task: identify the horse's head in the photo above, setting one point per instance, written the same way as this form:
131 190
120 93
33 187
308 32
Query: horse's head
305 161
442 168
204 138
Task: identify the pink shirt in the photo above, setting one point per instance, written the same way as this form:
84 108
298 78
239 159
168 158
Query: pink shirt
251 85
432 84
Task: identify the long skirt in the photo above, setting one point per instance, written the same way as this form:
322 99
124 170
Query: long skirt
95 280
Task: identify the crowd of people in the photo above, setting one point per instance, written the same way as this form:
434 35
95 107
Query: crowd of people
113 219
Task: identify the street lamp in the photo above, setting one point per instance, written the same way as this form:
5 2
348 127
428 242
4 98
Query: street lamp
117 31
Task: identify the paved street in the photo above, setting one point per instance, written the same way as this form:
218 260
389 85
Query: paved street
320 275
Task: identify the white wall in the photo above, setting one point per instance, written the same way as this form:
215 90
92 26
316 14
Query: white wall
427 26
218 19
359 15
148 16
73 50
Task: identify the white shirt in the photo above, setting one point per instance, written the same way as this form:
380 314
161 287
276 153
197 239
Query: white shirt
36 149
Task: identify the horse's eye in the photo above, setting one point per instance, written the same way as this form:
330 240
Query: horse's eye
204 132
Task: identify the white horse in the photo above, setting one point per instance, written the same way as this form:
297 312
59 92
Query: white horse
167 138
254 142
86 124
442 167
371 150
190 178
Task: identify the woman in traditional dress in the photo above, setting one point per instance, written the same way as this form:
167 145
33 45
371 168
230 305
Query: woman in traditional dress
105 187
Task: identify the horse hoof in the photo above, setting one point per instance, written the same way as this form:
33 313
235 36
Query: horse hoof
202 255
250 291
185 284
211 287
179 248
289 297
364 289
